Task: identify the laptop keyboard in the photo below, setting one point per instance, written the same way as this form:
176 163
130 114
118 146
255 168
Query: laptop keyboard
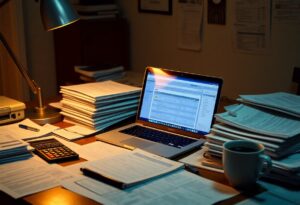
158 136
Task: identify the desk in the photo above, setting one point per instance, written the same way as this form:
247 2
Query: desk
61 196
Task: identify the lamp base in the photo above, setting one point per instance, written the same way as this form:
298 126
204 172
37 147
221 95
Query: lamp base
43 115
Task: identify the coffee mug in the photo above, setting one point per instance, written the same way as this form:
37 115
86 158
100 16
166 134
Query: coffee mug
243 162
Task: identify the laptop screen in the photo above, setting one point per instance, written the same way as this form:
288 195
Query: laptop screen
179 100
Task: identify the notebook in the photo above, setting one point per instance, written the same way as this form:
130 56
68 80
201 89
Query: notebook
175 111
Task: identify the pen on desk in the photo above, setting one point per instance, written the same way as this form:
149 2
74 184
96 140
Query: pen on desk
107 180
26 127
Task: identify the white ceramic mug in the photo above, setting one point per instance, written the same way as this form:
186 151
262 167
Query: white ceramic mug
243 162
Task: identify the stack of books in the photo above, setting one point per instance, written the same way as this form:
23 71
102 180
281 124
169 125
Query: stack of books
100 72
99 105
12 149
97 9
269 119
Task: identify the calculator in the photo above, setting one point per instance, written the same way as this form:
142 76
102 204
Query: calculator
52 150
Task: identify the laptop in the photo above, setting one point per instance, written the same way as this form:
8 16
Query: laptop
176 110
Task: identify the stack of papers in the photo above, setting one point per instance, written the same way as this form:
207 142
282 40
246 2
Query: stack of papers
12 149
282 102
99 105
100 72
272 120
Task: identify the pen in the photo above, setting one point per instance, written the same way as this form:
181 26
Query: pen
26 127
102 178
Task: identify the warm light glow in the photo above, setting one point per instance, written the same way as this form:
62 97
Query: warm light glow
162 78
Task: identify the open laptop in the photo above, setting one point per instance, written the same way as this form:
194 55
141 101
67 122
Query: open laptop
176 110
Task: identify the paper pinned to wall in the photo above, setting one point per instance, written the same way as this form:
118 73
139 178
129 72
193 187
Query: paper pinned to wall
287 11
251 26
190 24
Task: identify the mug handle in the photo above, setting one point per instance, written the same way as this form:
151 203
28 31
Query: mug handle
267 163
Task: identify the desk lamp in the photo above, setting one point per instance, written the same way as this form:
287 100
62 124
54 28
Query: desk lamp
55 14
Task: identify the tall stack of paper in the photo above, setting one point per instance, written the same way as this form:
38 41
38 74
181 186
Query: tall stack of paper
12 149
99 105
272 120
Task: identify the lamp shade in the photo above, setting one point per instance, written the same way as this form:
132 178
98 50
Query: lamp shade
57 13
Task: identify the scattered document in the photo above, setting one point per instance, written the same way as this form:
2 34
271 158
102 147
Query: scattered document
128 169
255 120
65 134
26 177
180 187
100 150
80 130
26 134
280 101
279 133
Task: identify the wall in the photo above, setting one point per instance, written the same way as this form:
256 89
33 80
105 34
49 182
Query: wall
154 42
12 83
39 50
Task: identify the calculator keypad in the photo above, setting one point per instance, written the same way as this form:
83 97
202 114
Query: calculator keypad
53 151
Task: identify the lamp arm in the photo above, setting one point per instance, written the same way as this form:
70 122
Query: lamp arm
32 84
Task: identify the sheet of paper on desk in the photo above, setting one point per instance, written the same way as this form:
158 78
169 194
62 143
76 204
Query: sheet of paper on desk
74 132
8 142
65 134
80 130
25 134
100 150
26 177
180 187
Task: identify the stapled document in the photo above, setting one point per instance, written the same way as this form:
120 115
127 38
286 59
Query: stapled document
128 169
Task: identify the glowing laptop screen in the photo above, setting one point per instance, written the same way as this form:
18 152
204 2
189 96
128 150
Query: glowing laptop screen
182 102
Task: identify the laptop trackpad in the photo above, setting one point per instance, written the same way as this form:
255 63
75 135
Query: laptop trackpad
137 143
